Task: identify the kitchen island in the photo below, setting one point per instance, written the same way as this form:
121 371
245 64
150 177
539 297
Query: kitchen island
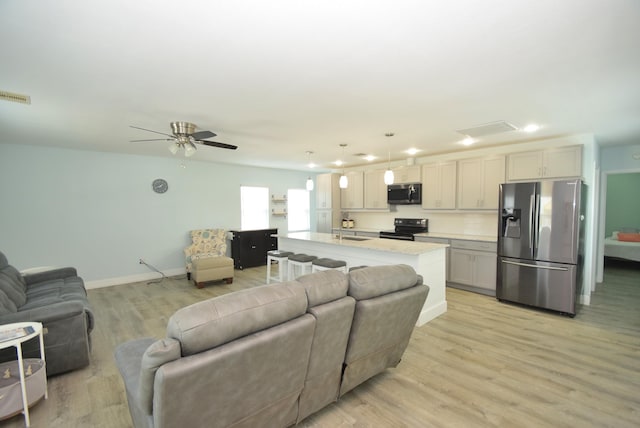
428 259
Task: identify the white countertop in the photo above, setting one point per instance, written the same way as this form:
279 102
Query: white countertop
483 238
390 245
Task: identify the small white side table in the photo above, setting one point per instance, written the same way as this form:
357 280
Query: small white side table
17 343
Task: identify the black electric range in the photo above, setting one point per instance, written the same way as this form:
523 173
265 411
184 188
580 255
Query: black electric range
406 228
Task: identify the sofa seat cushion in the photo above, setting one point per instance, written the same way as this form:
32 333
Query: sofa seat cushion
325 286
68 288
376 281
59 290
210 323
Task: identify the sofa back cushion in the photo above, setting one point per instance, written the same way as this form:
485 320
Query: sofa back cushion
374 281
325 286
214 322
12 283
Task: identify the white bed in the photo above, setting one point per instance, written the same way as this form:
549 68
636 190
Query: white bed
621 249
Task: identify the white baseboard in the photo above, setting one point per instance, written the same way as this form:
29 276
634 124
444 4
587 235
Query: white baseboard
427 314
148 276
585 299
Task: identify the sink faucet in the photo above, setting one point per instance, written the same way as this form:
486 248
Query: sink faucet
343 215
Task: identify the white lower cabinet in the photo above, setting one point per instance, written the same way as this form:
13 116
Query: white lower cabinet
473 264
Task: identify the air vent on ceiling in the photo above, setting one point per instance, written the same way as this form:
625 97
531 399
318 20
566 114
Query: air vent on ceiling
16 98
487 129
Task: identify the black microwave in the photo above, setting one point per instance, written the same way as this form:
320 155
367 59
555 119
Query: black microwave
404 194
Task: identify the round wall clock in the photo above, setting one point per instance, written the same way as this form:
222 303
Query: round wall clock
159 185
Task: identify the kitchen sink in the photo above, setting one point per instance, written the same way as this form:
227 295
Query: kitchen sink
354 238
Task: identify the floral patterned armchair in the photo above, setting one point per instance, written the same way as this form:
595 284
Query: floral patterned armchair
206 257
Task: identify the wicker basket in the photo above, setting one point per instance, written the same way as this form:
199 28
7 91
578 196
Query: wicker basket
10 391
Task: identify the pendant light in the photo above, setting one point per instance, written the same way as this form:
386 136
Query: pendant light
310 165
388 174
344 181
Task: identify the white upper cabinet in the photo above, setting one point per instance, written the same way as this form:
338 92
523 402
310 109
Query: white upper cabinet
407 174
375 191
478 182
327 192
439 185
551 163
353 195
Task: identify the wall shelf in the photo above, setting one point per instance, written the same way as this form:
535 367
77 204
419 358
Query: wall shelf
278 205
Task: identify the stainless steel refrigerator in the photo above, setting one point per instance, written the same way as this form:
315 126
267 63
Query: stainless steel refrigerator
540 244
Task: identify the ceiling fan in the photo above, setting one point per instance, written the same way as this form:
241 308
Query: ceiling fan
185 137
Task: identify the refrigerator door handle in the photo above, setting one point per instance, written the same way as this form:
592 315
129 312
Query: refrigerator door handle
531 213
535 266
536 222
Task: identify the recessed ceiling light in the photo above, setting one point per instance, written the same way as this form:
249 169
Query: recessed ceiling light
532 127
312 165
412 151
468 141
338 163
369 158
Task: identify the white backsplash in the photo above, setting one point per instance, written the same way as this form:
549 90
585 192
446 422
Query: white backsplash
459 222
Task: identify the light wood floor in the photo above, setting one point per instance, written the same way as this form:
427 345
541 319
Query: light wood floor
483 363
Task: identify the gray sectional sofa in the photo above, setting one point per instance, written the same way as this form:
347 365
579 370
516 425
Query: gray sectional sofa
56 298
270 356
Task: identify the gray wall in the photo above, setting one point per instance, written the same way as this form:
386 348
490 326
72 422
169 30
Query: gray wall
623 202
97 212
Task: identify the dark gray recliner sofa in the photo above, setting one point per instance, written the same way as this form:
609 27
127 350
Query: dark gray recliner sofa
272 355
56 298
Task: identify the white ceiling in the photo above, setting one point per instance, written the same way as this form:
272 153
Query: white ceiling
278 78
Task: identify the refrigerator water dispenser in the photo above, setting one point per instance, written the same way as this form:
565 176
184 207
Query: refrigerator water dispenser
511 222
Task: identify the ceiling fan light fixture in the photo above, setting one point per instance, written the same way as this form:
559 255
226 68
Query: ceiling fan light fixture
174 147
189 149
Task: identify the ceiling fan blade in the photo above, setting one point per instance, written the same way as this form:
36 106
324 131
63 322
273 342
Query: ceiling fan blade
150 130
201 135
154 139
215 144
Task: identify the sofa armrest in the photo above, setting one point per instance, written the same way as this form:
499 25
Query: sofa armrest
46 314
59 273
